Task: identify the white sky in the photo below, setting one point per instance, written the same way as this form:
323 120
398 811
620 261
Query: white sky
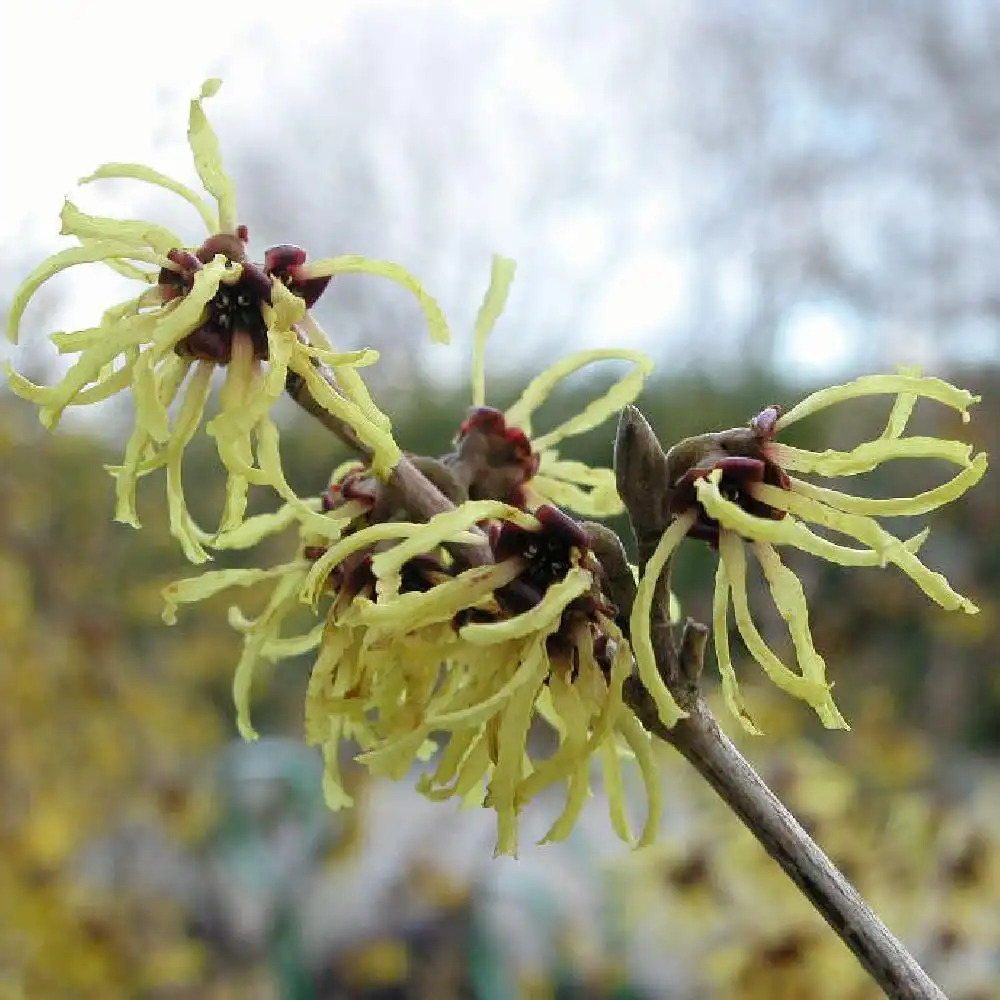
112 80
89 83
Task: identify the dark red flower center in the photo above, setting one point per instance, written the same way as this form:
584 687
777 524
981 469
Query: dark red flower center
237 307
742 456
547 554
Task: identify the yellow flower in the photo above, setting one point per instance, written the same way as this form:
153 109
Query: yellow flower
419 657
733 489
203 308
498 457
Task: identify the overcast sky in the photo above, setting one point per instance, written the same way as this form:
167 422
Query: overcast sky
87 83
436 133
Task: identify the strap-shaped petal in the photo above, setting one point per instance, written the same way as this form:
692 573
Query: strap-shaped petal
208 159
790 600
512 735
902 407
283 600
669 711
501 277
139 172
293 645
208 584
640 743
570 763
330 524
71 257
788 531
868 455
459 745
254 529
232 426
481 711
811 691
731 693
872 385
440 603
385 452
543 616
132 232
623 391
443 527
355 542
614 790
141 454
182 524
922 503
437 325
870 532
600 500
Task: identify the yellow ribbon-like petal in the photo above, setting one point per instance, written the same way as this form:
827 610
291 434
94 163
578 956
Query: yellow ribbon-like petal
182 524
790 600
441 603
501 277
512 734
922 503
720 628
385 452
138 172
868 455
348 263
128 231
445 526
639 742
811 691
642 644
869 385
198 588
788 531
51 266
208 159
544 615
870 532
623 391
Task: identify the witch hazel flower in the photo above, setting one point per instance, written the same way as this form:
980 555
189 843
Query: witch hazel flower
499 456
423 662
204 307
737 490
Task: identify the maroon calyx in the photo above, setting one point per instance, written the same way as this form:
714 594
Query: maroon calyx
287 263
354 574
743 458
421 573
497 460
236 307
547 554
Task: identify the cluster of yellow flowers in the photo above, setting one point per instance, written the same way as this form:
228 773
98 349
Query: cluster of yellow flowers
425 653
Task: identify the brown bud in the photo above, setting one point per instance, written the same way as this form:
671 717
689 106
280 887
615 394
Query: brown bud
641 473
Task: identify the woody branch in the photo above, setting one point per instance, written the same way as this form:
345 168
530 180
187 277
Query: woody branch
641 475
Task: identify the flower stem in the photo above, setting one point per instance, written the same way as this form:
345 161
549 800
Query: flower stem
421 498
713 755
